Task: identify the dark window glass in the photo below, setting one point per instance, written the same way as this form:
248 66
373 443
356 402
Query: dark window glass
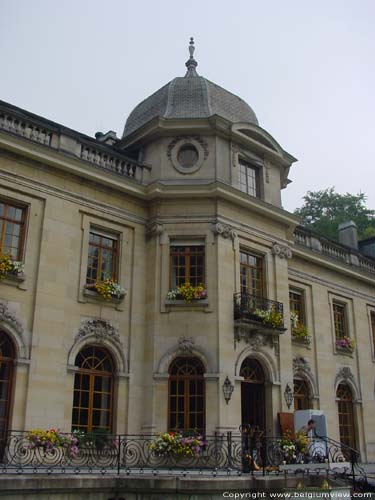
12 225
187 155
249 178
187 264
186 395
251 274
93 390
102 258
340 322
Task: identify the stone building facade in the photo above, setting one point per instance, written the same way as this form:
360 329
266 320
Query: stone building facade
191 192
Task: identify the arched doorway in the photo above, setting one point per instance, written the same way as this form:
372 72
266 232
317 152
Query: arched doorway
186 395
93 390
7 356
253 409
346 415
301 395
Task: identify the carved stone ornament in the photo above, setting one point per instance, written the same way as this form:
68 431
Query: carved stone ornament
154 229
186 344
282 251
267 168
100 329
344 373
223 230
300 364
9 318
256 341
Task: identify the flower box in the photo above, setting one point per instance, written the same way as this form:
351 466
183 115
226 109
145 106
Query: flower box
346 345
187 293
107 290
11 269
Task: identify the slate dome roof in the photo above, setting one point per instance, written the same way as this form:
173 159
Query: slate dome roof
190 96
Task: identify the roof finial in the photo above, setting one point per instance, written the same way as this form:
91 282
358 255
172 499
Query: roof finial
191 63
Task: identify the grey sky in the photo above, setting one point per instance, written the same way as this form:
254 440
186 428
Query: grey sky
305 67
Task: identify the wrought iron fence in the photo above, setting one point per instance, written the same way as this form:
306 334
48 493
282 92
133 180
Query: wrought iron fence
228 454
248 306
117 453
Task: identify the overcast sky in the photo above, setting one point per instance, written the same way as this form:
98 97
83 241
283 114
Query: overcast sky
307 68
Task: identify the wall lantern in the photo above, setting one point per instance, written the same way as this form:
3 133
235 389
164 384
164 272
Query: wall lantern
288 395
228 388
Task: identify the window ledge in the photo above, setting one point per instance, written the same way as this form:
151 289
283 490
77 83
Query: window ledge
13 279
344 352
301 342
94 296
191 304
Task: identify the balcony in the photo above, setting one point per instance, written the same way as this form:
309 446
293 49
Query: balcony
257 315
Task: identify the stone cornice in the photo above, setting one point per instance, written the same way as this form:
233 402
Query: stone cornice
297 274
217 189
335 265
23 184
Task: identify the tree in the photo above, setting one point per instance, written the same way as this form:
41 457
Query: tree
324 210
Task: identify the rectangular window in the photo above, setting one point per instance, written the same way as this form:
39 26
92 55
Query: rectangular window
340 320
373 329
297 304
187 265
249 178
12 230
103 257
251 274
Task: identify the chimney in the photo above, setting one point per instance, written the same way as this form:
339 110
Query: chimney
348 234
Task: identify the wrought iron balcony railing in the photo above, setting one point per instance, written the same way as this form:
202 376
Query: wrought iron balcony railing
269 313
231 453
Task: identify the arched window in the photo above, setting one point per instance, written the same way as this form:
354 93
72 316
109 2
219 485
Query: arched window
346 415
186 409
7 355
93 390
301 395
253 409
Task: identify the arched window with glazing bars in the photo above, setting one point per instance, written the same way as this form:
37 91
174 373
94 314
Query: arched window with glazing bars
186 401
93 390
301 395
345 408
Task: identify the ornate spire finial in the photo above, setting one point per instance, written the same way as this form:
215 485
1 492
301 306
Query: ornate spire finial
191 63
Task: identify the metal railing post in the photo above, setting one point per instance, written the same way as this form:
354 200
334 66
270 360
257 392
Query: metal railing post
229 445
264 454
118 454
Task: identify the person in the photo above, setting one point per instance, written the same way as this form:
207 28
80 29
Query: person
311 425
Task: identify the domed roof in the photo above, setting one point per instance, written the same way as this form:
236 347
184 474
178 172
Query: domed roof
191 96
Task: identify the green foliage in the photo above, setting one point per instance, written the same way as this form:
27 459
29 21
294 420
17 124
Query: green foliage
324 210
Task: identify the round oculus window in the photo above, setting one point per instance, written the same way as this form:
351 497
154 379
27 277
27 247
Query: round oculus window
187 155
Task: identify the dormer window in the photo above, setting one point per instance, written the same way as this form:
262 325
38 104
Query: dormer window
249 178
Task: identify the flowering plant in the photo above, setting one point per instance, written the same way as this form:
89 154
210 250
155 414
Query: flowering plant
288 447
346 343
299 330
9 266
177 444
270 317
302 442
188 292
108 289
51 439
